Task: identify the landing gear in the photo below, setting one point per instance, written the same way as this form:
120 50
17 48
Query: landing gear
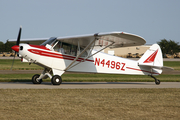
56 80
156 80
36 80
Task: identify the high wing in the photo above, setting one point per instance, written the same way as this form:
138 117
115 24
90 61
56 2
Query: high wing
119 39
33 41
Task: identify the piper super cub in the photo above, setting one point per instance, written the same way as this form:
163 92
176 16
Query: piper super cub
77 54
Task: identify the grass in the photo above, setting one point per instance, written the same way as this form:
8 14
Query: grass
90 104
173 64
5 64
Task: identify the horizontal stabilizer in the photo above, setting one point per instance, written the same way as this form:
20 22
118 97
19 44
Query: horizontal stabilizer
167 69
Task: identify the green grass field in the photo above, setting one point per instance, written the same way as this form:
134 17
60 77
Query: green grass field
173 64
5 64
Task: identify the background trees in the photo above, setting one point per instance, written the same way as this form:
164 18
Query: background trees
6 47
1 46
169 47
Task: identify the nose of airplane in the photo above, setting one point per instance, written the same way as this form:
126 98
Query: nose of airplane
15 48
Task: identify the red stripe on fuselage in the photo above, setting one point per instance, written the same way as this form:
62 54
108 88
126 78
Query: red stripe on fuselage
56 55
141 70
39 46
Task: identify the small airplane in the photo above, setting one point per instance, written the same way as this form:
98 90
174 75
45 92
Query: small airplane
83 54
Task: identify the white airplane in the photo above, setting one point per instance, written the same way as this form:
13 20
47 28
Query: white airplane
77 54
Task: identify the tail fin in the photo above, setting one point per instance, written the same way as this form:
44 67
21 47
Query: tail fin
152 57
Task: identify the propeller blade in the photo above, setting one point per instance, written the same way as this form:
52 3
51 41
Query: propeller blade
13 61
17 45
19 36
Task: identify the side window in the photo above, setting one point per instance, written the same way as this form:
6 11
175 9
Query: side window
73 50
84 54
65 48
58 47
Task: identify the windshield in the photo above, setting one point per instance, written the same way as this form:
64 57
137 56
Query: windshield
50 41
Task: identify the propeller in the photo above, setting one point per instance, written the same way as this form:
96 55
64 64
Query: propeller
16 47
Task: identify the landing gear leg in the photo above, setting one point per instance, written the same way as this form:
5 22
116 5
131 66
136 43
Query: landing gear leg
156 80
37 79
55 80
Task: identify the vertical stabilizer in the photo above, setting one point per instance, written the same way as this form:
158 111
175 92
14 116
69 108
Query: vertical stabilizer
152 57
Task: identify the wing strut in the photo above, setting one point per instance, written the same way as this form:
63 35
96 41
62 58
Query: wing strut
82 52
100 50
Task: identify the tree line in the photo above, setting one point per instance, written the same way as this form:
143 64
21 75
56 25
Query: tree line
6 47
169 47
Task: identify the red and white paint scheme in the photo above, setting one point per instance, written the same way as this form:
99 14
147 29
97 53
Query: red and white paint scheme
78 54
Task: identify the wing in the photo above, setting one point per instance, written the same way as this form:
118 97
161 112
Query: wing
119 39
33 41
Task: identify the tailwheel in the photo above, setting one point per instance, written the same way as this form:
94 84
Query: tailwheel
56 80
35 79
157 81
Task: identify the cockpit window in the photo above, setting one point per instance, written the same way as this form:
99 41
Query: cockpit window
64 48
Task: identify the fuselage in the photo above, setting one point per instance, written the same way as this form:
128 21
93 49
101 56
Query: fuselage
98 63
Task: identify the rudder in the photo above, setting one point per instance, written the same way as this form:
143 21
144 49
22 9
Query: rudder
152 57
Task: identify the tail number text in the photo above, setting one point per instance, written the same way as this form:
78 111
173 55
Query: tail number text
110 64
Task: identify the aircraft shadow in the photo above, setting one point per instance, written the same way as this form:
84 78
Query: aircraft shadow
87 83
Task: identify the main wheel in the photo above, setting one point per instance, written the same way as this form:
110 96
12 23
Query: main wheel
56 80
35 79
157 82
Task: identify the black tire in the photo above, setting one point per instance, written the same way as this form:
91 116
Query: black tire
56 80
157 82
34 79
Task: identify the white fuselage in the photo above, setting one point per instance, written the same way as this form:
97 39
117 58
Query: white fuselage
99 63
